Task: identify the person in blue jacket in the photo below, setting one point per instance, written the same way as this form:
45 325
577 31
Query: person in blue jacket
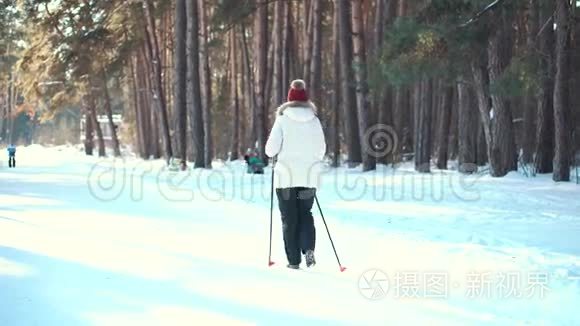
11 156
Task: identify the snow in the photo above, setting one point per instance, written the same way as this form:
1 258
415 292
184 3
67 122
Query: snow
81 245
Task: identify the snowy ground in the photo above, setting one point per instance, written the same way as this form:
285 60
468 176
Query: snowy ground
81 245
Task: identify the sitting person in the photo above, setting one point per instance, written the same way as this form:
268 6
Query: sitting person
255 164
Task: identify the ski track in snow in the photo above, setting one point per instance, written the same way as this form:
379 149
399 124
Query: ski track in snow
193 249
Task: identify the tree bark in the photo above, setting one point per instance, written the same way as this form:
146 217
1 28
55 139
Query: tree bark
89 129
152 52
286 40
136 97
444 127
466 135
336 93
261 68
362 89
251 95
504 155
529 127
316 63
235 147
423 127
561 100
109 112
545 112
180 77
193 83
347 77
307 39
96 124
206 82
278 43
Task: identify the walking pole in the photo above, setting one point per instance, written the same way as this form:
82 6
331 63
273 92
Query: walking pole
270 262
342 269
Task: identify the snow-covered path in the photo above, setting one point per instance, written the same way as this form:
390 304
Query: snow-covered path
80 245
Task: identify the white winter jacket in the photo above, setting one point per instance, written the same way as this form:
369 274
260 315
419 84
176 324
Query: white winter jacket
298 140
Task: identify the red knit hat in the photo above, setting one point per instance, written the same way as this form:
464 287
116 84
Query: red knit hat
298 91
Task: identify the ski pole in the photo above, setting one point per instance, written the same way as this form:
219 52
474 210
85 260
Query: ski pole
342 269
270 262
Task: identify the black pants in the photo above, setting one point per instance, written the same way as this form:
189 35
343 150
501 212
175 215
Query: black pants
11 162
297 222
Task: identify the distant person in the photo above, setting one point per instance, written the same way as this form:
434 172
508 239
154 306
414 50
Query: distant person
255 164
298 141
11 156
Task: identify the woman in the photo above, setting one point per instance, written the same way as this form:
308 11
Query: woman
298 141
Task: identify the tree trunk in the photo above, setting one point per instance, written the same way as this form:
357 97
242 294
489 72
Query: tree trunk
180 77
152 47
278 43
529 127
206 82
307 39
444 127
466 134
249 83
235 149
96 124
561 100
423 127
316 64
348 92
399 114
454 127
504 155
193 84
136 97
286 40
11 108
336 93
261 68
109 112
89 129
545 112
362 90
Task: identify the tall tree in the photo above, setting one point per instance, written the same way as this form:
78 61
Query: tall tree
316 63
528 128
423 127
544 98
561 101
504 157
347 77
180 77
154 60
193 83
206 82
336 91
261 68
235 107
362 90
109 113
444 126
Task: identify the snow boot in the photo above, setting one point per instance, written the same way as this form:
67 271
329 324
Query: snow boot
309 256
291 266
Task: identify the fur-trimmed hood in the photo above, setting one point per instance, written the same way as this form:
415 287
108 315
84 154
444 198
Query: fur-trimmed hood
297 104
